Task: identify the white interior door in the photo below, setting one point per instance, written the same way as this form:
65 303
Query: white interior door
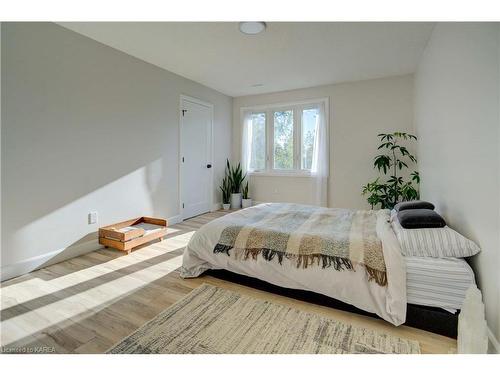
196 154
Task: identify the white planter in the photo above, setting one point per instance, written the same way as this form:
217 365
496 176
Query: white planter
226 206
246 202
235 201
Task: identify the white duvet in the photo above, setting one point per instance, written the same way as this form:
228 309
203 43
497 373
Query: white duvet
352 287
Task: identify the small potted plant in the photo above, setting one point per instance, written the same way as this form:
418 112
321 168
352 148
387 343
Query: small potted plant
236 178
226 193
245 202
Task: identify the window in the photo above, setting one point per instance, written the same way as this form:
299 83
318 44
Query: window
257 139
310 118
281 140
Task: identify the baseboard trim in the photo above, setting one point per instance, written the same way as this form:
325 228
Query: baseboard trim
31 264
174 220
494 346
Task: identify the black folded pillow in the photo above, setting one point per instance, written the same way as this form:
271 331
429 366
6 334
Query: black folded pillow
420 218
413 205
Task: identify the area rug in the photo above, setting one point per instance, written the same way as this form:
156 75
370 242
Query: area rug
216 320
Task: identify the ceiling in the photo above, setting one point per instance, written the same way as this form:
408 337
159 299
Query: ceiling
285 56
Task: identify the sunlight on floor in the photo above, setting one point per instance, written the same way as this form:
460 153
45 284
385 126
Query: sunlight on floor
15 294
89 301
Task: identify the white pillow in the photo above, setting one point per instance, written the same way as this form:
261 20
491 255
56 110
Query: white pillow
433 242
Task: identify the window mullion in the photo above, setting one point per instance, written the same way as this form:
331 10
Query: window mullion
297 123
270 140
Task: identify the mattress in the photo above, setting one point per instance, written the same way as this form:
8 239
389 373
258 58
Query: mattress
438 282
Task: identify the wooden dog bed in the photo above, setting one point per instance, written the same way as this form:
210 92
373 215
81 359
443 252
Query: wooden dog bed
129 234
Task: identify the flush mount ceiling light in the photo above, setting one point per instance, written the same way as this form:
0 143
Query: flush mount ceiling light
252 28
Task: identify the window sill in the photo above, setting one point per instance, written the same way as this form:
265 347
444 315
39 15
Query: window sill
280 174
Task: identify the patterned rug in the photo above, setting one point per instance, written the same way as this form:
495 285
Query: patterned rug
216 320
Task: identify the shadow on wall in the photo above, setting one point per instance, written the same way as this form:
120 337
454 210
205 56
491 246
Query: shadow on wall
51 238
83 128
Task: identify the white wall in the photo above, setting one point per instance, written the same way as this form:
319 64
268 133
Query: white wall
0 138
86 127
457 121
358 112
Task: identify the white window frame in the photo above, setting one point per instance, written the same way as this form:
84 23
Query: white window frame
297 108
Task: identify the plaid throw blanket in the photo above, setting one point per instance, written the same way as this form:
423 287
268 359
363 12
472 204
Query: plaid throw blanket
311 236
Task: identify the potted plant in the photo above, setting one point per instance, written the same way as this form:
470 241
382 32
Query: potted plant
245 202
236 178
226 193
394 189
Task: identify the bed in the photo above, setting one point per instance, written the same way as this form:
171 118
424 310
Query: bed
271 246
361 238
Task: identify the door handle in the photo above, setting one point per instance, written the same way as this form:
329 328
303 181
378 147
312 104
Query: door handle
209 166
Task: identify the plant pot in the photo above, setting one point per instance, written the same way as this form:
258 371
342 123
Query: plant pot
235 200
246 202
226 206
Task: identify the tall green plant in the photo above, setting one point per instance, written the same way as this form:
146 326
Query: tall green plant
235 176
389 191
226 190
244 191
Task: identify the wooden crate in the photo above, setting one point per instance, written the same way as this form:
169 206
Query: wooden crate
111 236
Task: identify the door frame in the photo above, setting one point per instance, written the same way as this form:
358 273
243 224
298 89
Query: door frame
210 106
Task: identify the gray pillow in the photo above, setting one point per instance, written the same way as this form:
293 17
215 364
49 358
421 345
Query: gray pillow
420 218
412 205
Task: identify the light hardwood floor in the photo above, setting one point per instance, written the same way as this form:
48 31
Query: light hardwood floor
87 304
